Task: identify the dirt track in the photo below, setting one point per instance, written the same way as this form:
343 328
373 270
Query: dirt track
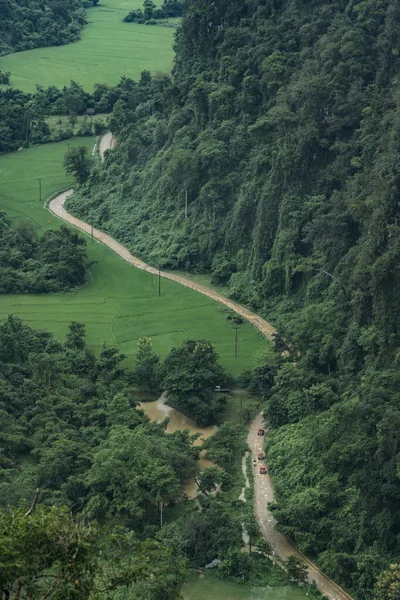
56 206
264 493
107 142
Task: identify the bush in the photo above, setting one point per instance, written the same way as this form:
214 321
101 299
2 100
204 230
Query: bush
237 564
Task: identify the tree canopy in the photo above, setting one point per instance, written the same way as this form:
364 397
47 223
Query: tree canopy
269 160
53 262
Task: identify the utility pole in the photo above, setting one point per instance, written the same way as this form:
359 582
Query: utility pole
236 340
40 187
186 204
159 281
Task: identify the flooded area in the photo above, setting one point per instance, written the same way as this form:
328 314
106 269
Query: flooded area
158 411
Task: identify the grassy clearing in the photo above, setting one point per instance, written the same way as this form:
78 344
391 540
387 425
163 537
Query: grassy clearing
120 303
59 123
206 585
108 50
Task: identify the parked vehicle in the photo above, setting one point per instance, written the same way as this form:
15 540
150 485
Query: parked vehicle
263 470
261 431
261 455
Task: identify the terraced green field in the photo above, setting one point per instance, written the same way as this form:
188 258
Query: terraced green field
119 303
108 49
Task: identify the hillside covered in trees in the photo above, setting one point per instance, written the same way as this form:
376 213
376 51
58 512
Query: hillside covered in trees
279 133
72 428
27 24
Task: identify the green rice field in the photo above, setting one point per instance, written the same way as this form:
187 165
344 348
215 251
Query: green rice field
119 304
108 49
199 587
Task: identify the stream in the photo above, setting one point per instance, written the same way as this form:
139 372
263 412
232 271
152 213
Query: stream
158 411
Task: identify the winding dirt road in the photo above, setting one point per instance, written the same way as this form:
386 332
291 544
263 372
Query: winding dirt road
264 493
107 142
56 206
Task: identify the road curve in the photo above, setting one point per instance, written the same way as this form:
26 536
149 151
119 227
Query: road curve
107 142
264 493
56 206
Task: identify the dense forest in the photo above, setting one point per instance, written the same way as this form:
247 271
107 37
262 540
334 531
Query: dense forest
27 24
270 160
53 262
72 428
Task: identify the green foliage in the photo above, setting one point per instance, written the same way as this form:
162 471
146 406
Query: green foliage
270 162
50 554
191 373
211 532
77 163
4 77
265 547
225 445
296 569
236 564
211 478
147 371
388 585
151 14
33 24
70 426
56 66
53 262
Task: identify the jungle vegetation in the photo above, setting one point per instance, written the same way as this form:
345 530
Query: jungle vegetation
27 24
72 429
53 262
270 161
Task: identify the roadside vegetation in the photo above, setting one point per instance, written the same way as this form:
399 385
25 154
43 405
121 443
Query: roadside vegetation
118 304
270 162
73 431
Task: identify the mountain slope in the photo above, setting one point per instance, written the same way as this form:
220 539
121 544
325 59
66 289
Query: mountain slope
280 126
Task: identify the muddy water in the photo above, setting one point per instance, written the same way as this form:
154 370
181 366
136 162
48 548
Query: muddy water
158 411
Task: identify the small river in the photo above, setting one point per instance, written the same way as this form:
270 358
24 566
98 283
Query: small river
158 411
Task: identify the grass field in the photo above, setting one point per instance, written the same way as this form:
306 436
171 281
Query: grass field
120 303
208 586
108 49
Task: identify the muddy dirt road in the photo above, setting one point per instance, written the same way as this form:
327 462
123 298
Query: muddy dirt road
56 206
264 493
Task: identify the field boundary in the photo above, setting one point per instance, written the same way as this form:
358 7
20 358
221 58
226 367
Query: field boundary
56 207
